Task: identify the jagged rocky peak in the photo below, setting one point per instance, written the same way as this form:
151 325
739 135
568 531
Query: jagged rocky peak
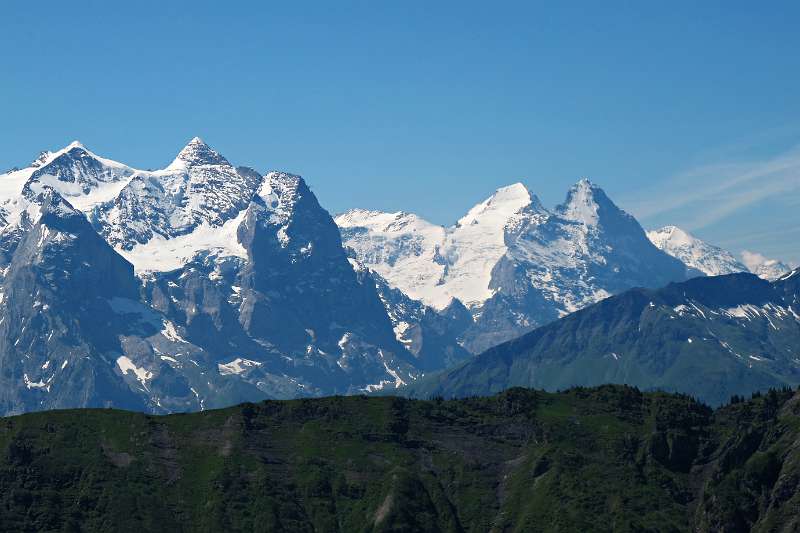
587 203
46 156
53 204
196 153
76 163
74 150
41 159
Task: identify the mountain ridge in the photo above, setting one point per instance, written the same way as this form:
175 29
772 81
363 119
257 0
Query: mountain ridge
241 288
524 265
523 460
711 337
237 285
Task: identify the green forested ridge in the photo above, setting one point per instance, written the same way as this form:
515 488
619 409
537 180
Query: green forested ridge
589 459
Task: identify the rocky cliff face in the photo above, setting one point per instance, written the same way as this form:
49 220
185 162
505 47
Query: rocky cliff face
190 287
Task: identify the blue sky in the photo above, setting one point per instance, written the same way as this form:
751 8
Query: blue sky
685 113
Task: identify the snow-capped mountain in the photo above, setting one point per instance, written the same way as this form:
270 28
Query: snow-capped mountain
770 269
194 286
204 284
80 176
695 253
513 263
431 263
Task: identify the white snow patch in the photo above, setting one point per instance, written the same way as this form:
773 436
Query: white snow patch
142 375
344 340
163 255
171 333
398 382
237 366
34 384
399 332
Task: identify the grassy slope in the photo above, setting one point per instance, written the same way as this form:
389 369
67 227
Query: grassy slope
601 459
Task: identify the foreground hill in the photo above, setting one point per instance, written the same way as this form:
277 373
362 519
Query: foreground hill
711 337
581 460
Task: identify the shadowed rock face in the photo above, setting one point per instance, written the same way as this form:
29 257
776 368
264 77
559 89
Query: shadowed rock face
58 330
196 286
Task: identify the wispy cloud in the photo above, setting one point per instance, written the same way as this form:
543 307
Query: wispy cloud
710 193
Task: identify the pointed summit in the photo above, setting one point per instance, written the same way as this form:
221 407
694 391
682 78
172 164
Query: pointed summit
587 203
47 156
498 208
74 144
197 153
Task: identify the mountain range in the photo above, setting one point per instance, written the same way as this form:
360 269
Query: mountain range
199 285
204 284
513 264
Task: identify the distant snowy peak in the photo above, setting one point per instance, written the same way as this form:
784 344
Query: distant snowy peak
382 222
76 173
763 267
403 248
581 204
475 245
199 188
197 153
589 205
432 263
158 220
496 210
695 253
513 263
79 175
